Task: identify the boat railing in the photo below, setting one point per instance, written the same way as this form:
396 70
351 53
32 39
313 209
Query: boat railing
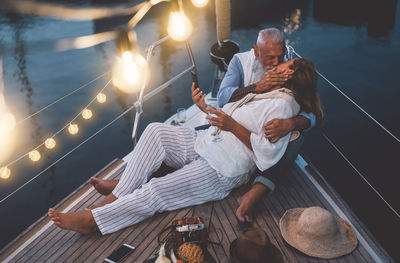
291 50
137 105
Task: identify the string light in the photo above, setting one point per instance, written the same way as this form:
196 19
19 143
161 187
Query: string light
87 114
5 173
50 143
199 3
129 71
34 155
73 128
179 26
101 98
7 123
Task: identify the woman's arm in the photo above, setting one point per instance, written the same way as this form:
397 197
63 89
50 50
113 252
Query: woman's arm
198 98
227 123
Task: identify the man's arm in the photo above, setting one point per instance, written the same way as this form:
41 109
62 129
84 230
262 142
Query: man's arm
270 79
232 81
278 128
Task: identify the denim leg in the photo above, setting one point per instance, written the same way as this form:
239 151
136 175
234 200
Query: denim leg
266 177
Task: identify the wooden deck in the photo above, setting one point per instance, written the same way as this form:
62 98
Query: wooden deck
45 242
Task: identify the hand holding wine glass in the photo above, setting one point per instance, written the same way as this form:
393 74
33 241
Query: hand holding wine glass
221 120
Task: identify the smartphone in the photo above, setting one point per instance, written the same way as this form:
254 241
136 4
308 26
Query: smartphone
119 254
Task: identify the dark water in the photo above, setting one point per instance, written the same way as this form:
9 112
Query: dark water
355 44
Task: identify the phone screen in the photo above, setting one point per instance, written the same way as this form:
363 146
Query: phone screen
120 253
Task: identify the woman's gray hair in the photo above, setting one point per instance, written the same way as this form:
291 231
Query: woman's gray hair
270 35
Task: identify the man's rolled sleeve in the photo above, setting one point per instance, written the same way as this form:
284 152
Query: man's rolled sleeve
311 117
231 82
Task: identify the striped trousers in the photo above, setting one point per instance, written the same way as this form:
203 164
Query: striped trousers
194 182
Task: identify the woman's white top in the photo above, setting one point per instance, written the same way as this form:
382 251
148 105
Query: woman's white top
230 157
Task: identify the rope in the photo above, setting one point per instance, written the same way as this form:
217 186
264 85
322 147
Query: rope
352 101
55 134
360 174
67 13
62 98
65 155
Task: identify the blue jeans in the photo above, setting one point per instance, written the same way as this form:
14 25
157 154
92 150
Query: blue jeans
266 177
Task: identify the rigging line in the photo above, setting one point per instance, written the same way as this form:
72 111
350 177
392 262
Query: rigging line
55 134
60 99
352 101
360 174
68 153
142 11
66 13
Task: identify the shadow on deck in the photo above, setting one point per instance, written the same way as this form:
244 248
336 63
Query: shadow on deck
44 242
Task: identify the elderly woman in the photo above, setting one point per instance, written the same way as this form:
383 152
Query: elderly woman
206 170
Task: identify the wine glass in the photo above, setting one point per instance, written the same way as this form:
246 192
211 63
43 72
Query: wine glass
215 131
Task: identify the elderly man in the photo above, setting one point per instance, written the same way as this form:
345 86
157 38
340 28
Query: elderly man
253 71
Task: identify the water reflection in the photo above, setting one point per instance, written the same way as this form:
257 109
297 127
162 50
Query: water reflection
378 16
108 24
21 74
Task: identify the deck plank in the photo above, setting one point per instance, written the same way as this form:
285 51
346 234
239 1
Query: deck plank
292 190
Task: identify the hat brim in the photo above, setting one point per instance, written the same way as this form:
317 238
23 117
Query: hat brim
344 244
276 254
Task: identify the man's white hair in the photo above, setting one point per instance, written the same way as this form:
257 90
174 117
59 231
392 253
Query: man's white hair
272 35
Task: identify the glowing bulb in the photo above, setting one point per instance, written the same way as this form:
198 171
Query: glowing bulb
179 26
50 143
199 3
130 70
34 155
4 173
73 129
101 98
87 114
7 123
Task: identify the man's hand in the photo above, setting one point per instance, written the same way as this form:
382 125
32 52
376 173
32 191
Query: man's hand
198 98
223 121
270 79
278 128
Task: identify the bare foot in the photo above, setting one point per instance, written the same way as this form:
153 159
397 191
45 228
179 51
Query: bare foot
248 201
81 221
108 199
245 210
104 187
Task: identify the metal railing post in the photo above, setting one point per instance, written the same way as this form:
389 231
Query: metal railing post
139 103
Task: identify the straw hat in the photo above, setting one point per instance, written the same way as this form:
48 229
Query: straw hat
316 232
254 246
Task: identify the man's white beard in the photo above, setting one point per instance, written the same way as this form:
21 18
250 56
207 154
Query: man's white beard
259 70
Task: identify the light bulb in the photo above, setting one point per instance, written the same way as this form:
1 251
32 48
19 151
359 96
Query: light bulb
199 3
50 143
101 98
7 123
179 26
130 70
4 173
34 155
73 129
87 114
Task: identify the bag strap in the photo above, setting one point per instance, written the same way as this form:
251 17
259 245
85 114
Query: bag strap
170 228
